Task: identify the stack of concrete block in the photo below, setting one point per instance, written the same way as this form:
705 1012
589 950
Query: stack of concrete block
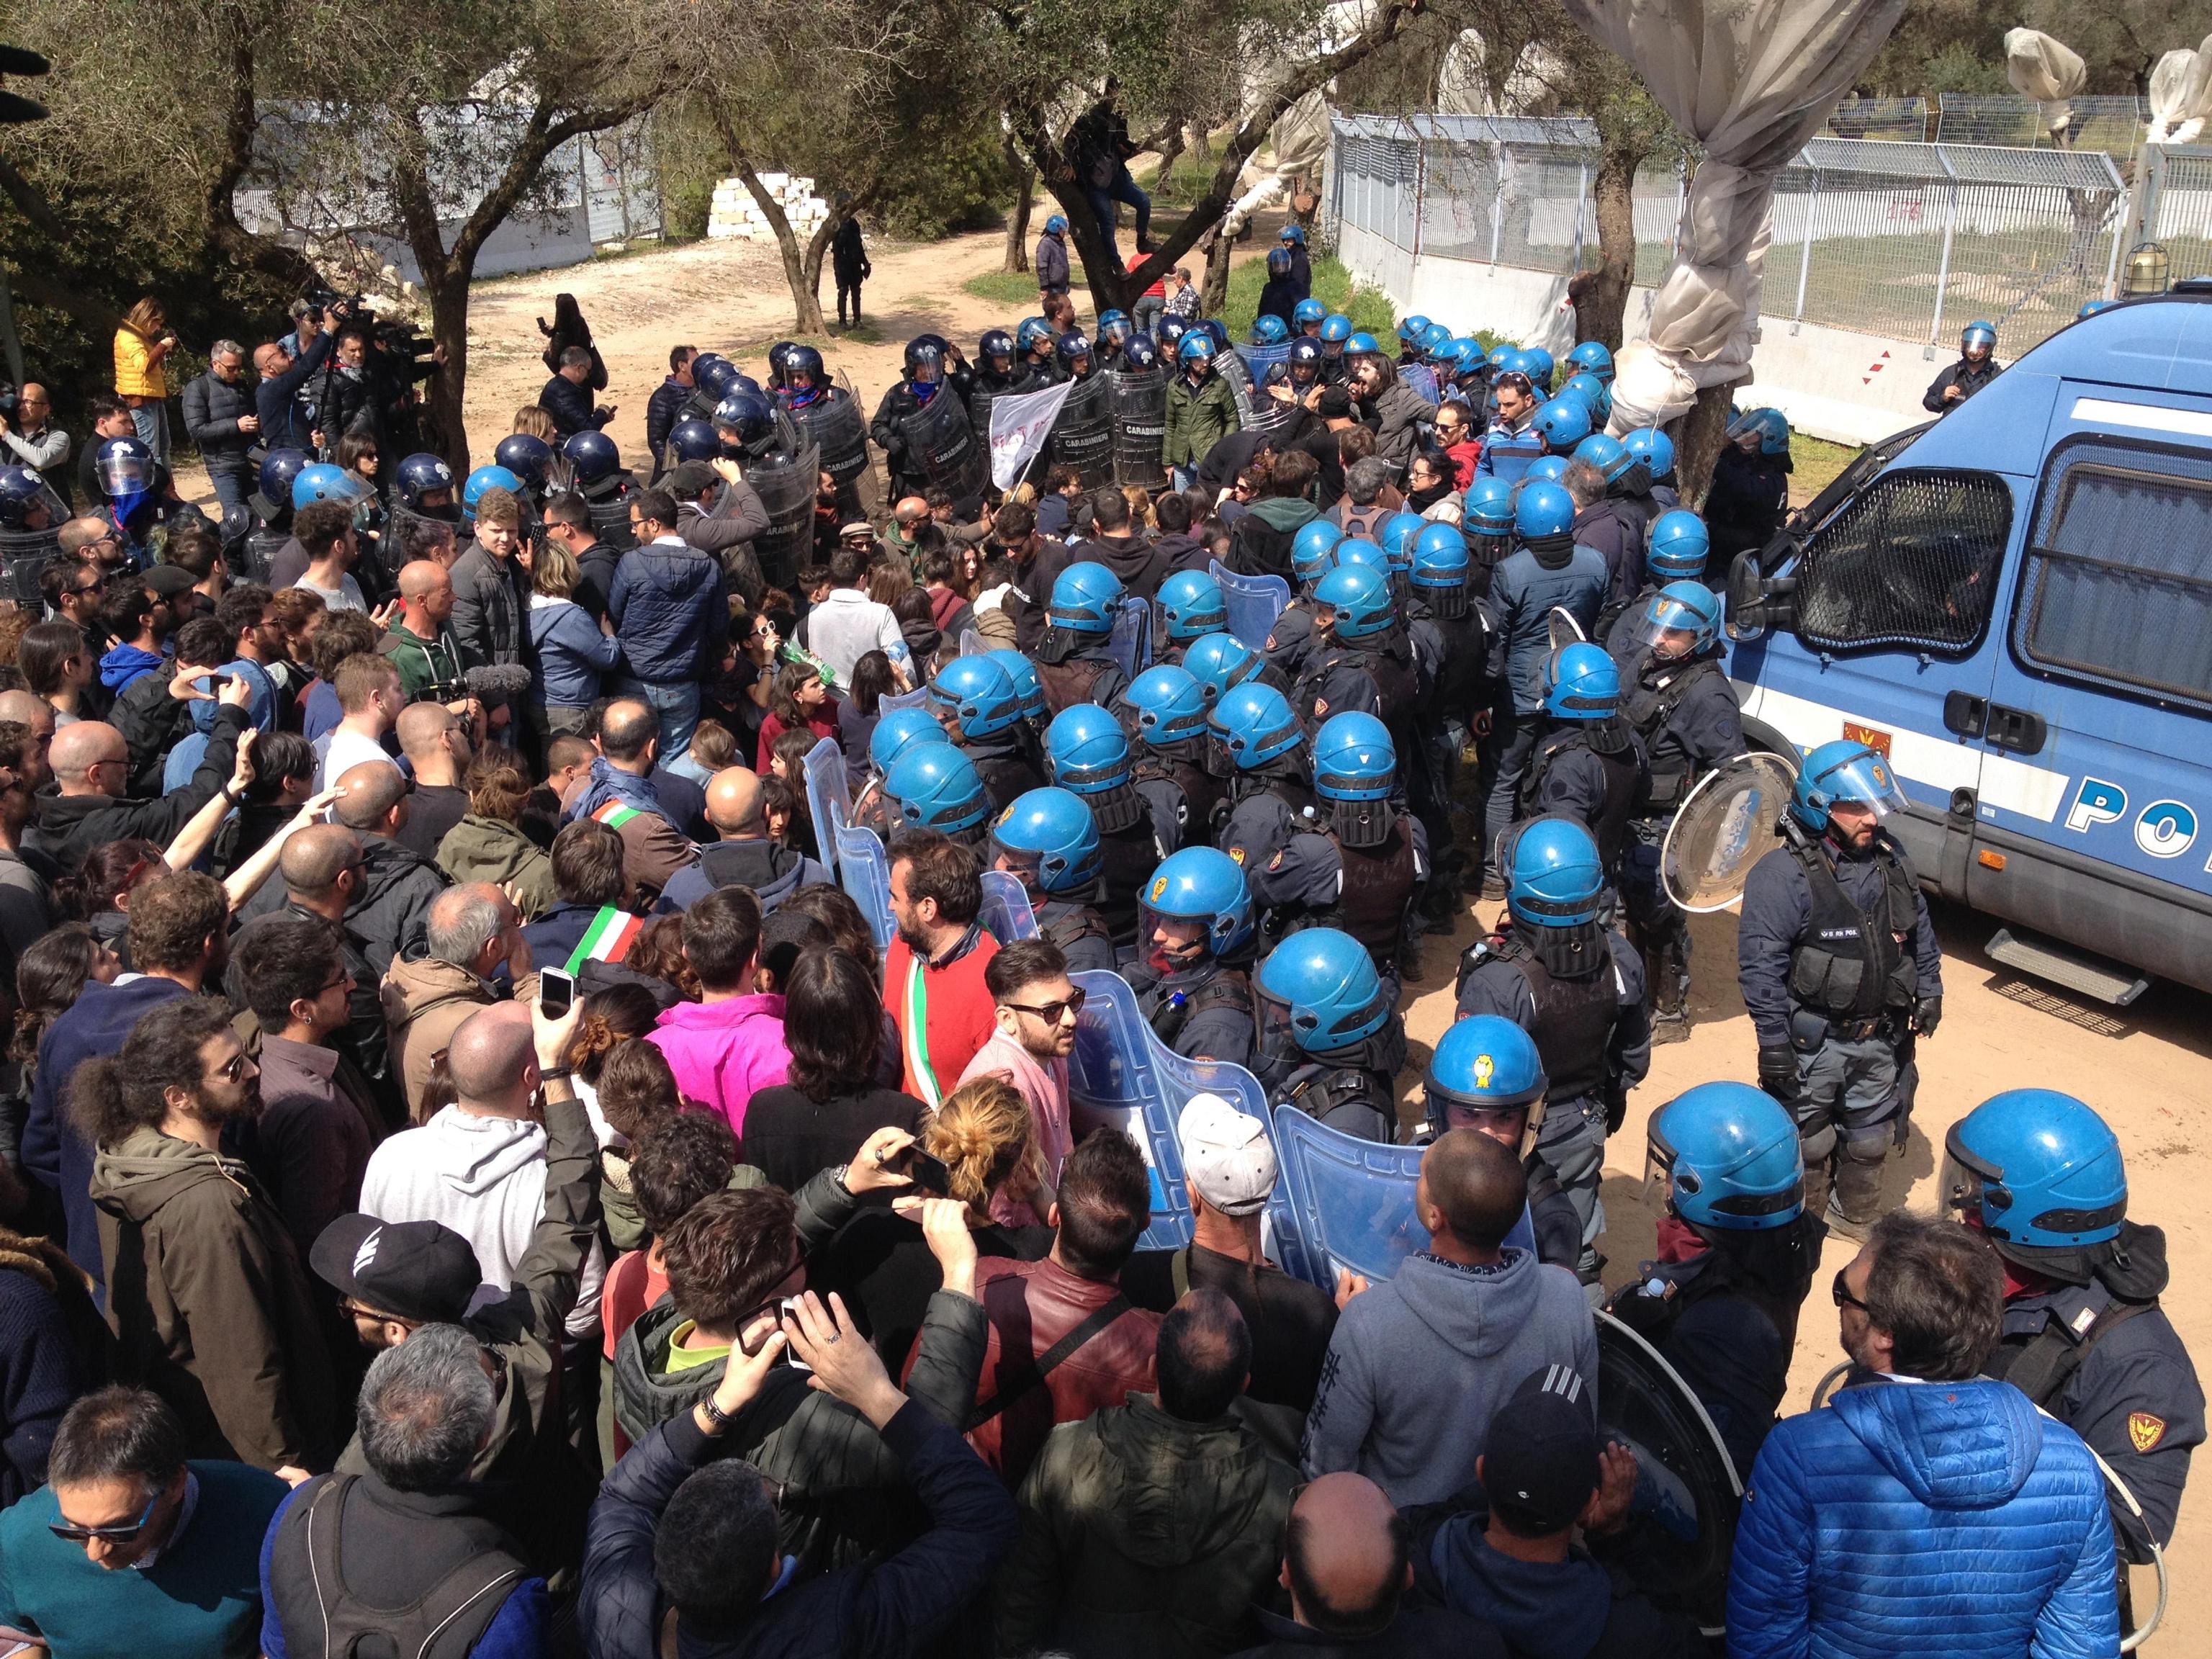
736 214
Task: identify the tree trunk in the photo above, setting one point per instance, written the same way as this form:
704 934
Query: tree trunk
805 303
1170 152
1602 304
1202 144
1213 296
1698 436
1018 222
445 428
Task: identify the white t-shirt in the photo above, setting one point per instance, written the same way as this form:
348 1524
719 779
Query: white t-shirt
848 625
348 749
346 596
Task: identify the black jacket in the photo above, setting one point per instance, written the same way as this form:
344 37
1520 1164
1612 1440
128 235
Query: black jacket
152 723
662 411
212 407
66 827
284 422
1416 1633
848 255
389 916
570 406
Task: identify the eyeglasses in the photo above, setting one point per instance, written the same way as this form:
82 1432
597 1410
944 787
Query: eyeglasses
1842 1292
75 1534
1051 1012
344 978
237 1068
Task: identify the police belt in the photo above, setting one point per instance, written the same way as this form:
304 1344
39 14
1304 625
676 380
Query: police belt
1883 1025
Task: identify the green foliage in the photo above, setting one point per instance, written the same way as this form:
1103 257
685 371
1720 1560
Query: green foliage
1368 308
960 183
1958 68
1010 288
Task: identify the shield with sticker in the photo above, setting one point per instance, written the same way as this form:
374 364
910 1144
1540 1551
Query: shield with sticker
786 483
1082 433
1140 406
1727 823
1253 604
834 425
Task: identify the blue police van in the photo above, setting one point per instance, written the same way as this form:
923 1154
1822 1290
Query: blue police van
2013 604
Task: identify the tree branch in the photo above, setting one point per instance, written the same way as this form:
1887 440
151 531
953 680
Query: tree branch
32 204
218 205
78 301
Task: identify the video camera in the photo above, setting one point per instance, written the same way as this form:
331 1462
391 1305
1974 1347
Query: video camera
316 301
454 691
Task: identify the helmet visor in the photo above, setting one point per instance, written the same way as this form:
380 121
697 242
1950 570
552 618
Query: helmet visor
1866 781
1278 1041
1168 941
1511 1126
1962 1190
124 474
1649 628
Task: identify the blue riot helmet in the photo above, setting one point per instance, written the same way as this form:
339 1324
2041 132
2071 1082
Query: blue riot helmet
925 368
1056 226
1318 992
280 466
1220 662
1169 330
1023 672
1362 344
591 456
975 691
1048 840
1294 235
1536 363
1609 455
321 482
1581 683
1411 329
742 381
1190 606
996 344
898 731
1312 549
493 477
1562 424
1548 469
1115 326
1731 1157
128 475
1304 360
804 375
1434 339
1169 705
1074 348
1278 262
1255 724
1196 348
1441 564
2036 1171
420 476
1397 538
1355 766
1767 426
2091 307
525 455
1307 314
713 378
1489 508
1270 330
1591 391
1682 621
748 415
1680 545
1200 884
1500 357
1335 330
22 491
938 787
1138 351
1484 1071
1657 449
1592 358
1977 341
1086 599
693 441
1357 600
1030 331
700 360
1544 509
1217 330
1553 876
1357 549
1843 771
1086 751
1465 356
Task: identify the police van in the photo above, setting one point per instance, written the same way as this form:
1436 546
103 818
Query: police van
2014 605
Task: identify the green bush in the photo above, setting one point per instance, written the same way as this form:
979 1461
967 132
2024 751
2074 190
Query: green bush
1011 288
1368 308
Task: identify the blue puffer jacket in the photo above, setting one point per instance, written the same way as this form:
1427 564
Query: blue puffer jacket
1931 1517
671 613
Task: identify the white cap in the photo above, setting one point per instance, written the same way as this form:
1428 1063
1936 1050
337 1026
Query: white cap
1227 1155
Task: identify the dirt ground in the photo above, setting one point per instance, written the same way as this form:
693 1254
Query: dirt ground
2147 1068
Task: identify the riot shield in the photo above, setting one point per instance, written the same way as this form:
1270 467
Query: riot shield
1256 360
1253 602
1111 1080
1267 415
1130 642
1687 1491
262 548
1730 821
864 872
1083 433
1006 915
973 644
23 556
912 699
1181 1079
1564 629
1422 378
833 425
611 521
1140 415
1352 1200
786 485
938 437
829 798
1240 388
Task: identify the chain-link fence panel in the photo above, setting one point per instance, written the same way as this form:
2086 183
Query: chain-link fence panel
2113 125
2178 210
1905 119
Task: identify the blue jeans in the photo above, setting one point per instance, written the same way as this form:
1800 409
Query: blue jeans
676 705
1122 189
151 418
232 487
1146 313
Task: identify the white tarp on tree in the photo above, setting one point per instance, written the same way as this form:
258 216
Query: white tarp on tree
2051 73
2181 94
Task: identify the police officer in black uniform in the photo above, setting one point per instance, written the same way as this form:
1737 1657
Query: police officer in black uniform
1485 1074
1087 753
1977 367
976 702
1331 1044
1270 794
1588 764
1048 840
1076 663
1167 707
1361 658
1191 967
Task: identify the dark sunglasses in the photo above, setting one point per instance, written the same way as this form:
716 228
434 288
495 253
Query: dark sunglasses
1843 1295
123 1535
1051 1012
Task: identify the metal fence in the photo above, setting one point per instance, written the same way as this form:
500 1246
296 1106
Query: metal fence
1904 119
2173 206
2114 124
1906 240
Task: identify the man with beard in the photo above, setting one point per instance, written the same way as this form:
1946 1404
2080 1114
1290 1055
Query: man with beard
211 1307
933 980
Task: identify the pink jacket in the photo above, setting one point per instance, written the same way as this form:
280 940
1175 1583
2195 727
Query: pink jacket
724 1053
1044 1085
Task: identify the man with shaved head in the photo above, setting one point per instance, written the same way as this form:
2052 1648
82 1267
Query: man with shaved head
1418 1366
471 932
321 873
436 743
618 792
92 762
745 856
386 901
418 644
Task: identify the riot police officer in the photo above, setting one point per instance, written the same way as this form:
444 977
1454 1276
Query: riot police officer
1362 659
982 714
1219 662
1589 765
423 487
1619 521
690 441
1577 988
1000 366
1451 642
1168 708
1076 360
1191 968
1739 1250
898 731
1362 867
1048 840
1840 970
1189 605
1676 553
1033 343
1331 1044
1074 663
596 471
530 458
1656 451
935 786
2039 1174
1486 1075
1115 331
1087 753
1022 673
1270 795
1313 555
1487 523
271 506
923 379
1683 709
1976 367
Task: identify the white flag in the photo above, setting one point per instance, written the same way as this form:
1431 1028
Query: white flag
1019 426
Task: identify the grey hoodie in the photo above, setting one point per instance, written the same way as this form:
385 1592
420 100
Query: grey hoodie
1418 1366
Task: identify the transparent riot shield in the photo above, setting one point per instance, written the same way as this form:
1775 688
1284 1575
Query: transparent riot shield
610 518
1130 642
1253 602
912 699
973 644
939 436
1687 1490
786 485
1006 915
262 547
833 425
1111 1081
1564 628
1140 415
1256 360
1266 413
23 556
829 798
1422 378
1730 821
1181 1079
865 873
1083 433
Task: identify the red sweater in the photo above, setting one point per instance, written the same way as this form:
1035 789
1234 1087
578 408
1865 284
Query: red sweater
1464 454
954 1009
821 724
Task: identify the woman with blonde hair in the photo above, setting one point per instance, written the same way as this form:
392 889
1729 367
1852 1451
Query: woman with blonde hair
574 651
142 345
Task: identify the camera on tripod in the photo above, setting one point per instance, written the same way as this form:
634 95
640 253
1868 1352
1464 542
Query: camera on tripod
453 690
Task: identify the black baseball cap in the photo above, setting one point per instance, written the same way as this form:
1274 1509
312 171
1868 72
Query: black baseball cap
1540 1458
422 1271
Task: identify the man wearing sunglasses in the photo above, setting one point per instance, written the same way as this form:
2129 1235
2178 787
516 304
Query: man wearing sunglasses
132 1549
1036 1007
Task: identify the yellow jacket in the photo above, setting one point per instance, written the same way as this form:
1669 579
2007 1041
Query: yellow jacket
137 373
